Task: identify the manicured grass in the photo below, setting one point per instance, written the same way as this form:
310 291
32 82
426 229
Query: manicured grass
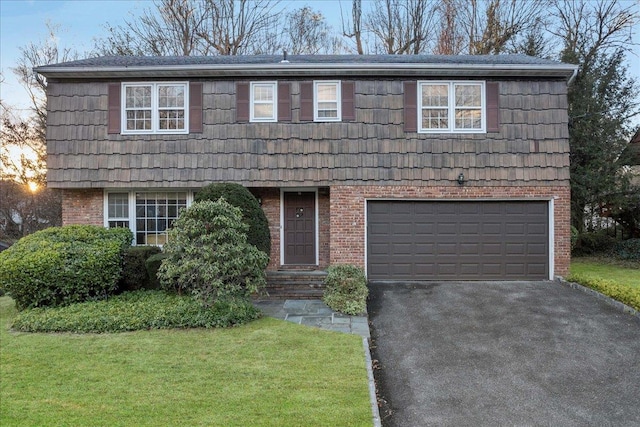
610 278
265 373
608 270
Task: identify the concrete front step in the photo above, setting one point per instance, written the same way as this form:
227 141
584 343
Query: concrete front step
295 284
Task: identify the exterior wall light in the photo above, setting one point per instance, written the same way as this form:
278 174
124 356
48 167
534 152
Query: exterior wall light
461 178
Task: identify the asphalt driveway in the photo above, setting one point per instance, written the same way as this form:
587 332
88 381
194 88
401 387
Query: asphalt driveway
503 354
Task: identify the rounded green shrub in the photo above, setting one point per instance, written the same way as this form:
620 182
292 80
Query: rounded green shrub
134 270
64 265
207 255
346 289
152 264
252 214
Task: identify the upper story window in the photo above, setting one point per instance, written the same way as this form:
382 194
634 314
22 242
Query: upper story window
451 107
327 101
155 107
263 104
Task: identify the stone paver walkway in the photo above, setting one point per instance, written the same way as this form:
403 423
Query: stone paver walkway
314 313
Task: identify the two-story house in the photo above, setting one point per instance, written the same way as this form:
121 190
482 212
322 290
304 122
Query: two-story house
413 167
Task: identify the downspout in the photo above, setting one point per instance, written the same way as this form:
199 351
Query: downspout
573 76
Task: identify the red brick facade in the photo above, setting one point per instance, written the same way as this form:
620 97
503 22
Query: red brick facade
271 199
83 207
342 210
348 209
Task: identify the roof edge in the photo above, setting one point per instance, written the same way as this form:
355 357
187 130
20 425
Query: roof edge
559 70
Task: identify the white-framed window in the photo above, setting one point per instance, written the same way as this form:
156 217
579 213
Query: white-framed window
118 210
160 107
327 101
148 214
451 106
264 102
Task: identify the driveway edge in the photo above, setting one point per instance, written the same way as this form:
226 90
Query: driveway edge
372 384
607 299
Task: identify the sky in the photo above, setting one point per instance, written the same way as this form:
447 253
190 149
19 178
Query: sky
81 21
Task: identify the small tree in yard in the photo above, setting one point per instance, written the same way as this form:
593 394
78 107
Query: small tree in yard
209 257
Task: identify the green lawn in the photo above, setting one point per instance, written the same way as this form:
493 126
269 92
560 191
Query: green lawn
266 373
619 280
604 269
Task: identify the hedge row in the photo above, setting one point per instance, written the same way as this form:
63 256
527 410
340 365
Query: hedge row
134 311
624 294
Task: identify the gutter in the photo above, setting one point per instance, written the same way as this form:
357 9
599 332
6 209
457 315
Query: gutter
308 69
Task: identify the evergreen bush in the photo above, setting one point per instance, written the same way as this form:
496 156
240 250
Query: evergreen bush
594 243
134 270
207 255
628 250
152 264
64 265
346 289
252 214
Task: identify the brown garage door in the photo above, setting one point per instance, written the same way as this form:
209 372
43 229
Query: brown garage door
457 240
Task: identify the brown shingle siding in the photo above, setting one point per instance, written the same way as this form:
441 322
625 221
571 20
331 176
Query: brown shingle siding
373 148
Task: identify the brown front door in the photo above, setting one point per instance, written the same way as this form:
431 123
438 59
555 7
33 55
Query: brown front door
300 228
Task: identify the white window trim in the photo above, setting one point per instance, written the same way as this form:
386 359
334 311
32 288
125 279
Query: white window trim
155 119
338 84
274 102
451 106
132 205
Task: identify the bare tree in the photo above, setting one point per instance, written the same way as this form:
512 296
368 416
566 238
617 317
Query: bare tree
586 28
168 28
238 27
22 151
449 40
307 32
491 25
26 205
352 29
44 52
401 26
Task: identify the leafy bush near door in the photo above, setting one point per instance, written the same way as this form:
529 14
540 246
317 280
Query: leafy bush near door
208 256
252 214
346 289
64 265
